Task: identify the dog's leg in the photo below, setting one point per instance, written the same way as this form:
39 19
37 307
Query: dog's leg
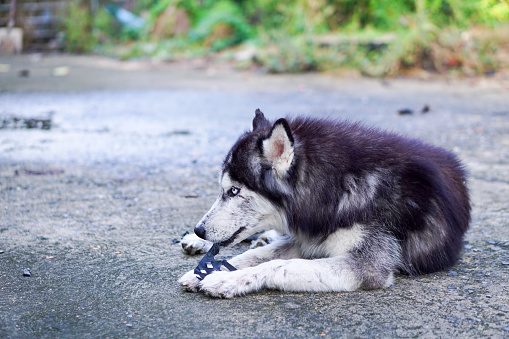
283 248
192 244
334 274
369 264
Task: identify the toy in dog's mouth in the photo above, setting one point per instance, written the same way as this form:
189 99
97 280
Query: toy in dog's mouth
208 264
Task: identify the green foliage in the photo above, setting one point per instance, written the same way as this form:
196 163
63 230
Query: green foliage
429 34
388 15
224 22
283 55
493 11
104 25
157 8
463 13
78 28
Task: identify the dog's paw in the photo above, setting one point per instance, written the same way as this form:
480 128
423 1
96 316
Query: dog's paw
220 285
190 282
223 284
265 238
192 244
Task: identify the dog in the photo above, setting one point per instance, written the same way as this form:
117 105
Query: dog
355 205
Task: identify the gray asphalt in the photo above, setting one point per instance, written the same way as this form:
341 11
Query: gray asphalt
94 205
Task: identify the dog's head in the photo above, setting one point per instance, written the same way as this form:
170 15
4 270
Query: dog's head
254 181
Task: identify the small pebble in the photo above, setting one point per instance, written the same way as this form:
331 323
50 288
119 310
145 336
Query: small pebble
24 73
1 251
451 287
453 273
505 329
129 325
488 295
405 111
27 273
492 242
468 247
505 262
496 248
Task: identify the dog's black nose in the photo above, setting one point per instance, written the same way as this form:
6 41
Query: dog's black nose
199 230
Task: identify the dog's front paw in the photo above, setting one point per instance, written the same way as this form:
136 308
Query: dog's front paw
224 284
265 238
220 285
190 281
192 244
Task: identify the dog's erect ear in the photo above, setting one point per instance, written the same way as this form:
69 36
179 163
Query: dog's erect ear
278 147
259 120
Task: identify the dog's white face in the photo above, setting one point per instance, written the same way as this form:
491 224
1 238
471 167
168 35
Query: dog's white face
238 213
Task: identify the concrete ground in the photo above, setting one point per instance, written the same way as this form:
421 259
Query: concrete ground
95 205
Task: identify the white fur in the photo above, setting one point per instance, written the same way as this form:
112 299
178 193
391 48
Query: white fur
249 258
297 275
190 281
279 265
338 243
192 244
227 216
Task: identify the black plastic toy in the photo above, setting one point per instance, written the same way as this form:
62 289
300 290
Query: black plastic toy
208 264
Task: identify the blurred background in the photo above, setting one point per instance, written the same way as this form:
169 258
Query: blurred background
372 37
115 117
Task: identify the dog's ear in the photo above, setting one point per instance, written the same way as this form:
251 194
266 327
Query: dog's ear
259 120
278 147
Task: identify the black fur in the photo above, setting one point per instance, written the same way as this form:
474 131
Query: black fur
344 173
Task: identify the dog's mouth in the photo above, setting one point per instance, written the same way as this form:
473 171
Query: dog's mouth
232 238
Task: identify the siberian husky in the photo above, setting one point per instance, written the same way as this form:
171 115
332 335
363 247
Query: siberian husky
355 205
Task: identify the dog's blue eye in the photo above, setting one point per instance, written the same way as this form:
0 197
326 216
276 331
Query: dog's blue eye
233 191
